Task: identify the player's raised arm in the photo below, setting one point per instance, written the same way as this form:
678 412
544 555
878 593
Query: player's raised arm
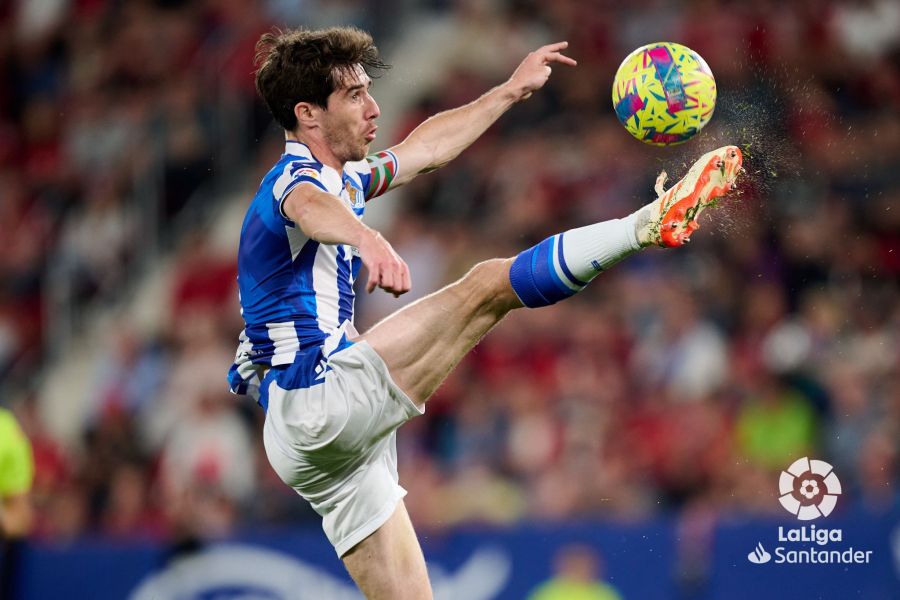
326 219
442 137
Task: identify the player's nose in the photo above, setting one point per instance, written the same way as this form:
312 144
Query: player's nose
374 111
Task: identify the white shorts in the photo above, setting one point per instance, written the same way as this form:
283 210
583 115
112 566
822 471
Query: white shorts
335 442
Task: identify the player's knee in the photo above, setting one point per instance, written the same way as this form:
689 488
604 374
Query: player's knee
489 282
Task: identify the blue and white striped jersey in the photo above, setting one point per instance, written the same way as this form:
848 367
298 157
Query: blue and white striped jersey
294 291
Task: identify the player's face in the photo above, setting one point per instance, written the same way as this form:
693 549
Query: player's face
349 123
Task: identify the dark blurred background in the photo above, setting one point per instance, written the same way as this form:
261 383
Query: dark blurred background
676 387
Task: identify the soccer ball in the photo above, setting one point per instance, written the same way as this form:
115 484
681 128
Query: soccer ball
664 93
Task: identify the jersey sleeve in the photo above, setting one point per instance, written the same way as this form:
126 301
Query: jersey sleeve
295 173
382 168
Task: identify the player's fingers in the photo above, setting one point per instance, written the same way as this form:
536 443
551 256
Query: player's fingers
399 283
560 58
387 279
405 278
556 47
372 283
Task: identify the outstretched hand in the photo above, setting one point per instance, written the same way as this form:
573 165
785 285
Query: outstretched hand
385 267
534 71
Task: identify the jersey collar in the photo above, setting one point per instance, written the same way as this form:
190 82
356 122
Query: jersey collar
295 148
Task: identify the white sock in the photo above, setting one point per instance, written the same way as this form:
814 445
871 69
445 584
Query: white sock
595 248
563 264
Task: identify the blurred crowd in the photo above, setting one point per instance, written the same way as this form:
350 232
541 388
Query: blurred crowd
678 381
109 123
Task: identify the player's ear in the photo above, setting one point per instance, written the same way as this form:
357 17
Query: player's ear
307 114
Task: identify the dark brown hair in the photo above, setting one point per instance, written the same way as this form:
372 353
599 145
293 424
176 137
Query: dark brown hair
304 65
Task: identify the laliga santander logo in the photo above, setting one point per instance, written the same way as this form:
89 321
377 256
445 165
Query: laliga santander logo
809 489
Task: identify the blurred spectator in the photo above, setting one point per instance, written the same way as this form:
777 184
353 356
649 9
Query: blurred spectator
680 352
877 470
127 512
95 242
775 425
578 576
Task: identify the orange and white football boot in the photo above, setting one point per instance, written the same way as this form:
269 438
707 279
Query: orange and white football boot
673 215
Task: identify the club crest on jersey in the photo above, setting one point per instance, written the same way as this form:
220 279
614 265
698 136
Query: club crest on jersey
353 194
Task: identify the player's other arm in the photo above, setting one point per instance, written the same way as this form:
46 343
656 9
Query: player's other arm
325 218
442 137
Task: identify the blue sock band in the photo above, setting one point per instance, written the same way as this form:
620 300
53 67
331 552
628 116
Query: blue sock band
540 277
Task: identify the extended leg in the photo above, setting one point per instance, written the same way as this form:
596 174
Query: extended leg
389 564
424 341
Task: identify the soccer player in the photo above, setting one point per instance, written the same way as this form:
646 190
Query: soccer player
333 398
16 513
